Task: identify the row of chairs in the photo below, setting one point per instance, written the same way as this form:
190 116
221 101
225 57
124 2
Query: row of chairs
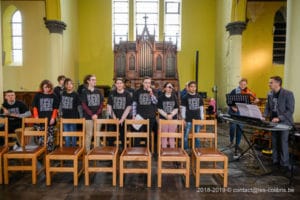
140 157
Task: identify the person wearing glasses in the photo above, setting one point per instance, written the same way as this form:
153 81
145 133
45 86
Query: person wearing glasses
92 104
45 105
168 109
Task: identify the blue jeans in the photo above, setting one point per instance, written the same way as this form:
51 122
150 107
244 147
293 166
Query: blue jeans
235 129
70 128
187 128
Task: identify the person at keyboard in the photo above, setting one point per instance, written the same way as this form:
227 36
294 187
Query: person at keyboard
280 108
236 129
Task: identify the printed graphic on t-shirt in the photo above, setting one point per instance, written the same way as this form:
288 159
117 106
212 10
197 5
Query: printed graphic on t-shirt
119 103
275 104
14 110
67 102
93 99
46 104
168 106
194 103
145 99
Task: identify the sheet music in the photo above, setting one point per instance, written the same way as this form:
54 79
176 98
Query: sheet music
137 126
249 110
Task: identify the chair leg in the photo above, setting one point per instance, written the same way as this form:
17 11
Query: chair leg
75 175
48 173
149 173
197 173
114 172
121 172
6 178
187 176
225 172
33 168
159 172
86 171
1 171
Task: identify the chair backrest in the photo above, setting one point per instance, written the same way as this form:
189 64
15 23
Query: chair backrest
4 132
29 129
106 131
208 130
78 133
129 133
178 134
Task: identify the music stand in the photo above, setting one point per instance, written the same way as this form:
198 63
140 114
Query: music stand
231 99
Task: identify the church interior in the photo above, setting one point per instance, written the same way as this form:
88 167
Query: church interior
213 42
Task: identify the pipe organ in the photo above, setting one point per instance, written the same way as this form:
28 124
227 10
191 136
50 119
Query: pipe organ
134 60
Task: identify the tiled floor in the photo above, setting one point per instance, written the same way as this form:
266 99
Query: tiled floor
246 180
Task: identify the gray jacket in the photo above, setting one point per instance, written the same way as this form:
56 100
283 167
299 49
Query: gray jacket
286 106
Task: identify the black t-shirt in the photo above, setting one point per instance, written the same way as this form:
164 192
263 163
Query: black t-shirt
45 103
17 108
119 102
144 107
69 105
167 104
274 108
58 91
93 100
130 91
192 104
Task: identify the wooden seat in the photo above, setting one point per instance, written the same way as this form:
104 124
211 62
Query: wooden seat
4 147
177 154
208 153
63 153
103 153
136 154
28 151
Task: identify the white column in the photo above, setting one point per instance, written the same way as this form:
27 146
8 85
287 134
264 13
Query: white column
233 67
56 29
292 58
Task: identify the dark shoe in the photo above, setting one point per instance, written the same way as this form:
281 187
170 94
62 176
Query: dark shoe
231 145
239 149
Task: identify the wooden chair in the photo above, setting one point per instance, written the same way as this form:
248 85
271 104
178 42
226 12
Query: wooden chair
177 154
103 153
28 151
208 154
4 147
67 153
136 154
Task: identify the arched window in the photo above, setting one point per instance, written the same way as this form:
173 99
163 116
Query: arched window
279 36
17 38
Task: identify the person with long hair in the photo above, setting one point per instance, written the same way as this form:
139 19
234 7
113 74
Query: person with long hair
168 109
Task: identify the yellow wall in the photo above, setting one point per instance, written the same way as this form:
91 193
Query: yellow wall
95 40
257 46
198 33
35 48
70 39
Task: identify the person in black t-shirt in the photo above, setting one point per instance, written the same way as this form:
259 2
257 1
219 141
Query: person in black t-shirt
58 90
168 109
144 104
119 105
69 105
92 104
45 105
191 108
15 110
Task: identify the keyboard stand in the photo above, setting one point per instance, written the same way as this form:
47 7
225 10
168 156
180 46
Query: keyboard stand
250 147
